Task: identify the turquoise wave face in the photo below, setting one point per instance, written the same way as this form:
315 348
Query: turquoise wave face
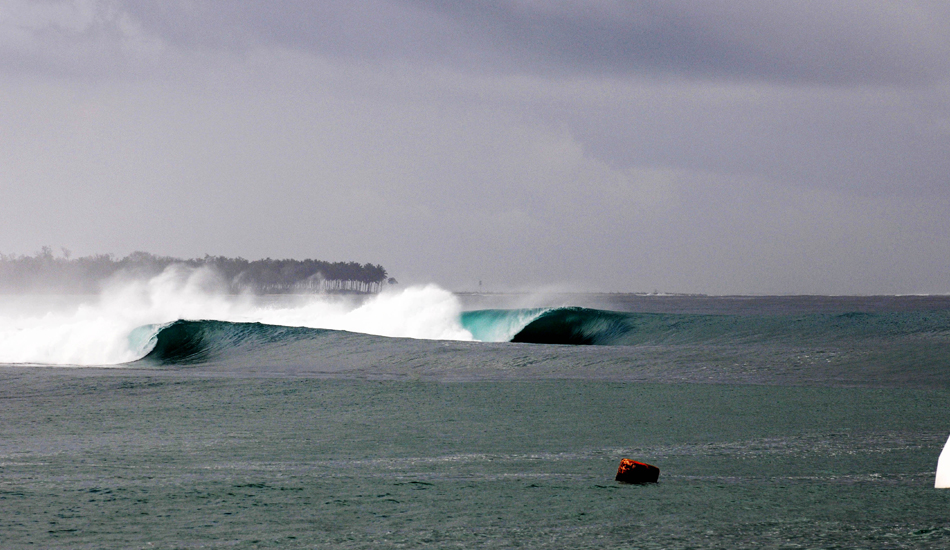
499 325
189 342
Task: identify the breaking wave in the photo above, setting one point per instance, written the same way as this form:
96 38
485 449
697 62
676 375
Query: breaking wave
125 321
185 342
582 326
182 317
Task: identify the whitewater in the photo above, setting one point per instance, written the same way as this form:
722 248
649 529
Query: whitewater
422 418
120 324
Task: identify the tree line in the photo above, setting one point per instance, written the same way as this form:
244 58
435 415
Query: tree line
46 272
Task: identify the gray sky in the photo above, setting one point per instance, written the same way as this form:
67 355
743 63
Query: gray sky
684 146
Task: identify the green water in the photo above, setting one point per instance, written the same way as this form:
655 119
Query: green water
99 459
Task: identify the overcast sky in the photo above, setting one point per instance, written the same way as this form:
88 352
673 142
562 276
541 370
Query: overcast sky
705 146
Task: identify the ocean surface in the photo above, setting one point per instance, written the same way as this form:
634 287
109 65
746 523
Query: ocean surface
163 415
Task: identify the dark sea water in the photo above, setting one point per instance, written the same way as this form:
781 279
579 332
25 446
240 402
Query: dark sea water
776 422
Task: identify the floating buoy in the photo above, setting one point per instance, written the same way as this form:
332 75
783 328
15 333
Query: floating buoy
943 468
631 471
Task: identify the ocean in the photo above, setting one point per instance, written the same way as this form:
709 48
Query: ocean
164 415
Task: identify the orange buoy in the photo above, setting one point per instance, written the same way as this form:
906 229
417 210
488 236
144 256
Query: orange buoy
631 471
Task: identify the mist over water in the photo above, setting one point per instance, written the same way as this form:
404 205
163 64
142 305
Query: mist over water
118 325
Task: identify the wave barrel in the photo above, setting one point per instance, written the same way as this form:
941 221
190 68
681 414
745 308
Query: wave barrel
631 471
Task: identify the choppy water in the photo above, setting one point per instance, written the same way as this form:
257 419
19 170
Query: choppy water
776 422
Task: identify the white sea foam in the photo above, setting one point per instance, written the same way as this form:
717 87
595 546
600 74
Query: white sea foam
99 330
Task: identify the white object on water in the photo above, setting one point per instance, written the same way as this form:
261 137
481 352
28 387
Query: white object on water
943 468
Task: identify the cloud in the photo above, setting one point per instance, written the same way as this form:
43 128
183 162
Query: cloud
78 38
819 42
681 146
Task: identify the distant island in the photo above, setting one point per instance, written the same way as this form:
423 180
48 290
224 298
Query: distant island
45 272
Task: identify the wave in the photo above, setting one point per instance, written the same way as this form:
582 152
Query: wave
582 326
499 325
189 342
118 326
179 317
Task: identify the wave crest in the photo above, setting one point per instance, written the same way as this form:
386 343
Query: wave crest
118 325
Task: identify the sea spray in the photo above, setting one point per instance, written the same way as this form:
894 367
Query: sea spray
119 325
426 312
